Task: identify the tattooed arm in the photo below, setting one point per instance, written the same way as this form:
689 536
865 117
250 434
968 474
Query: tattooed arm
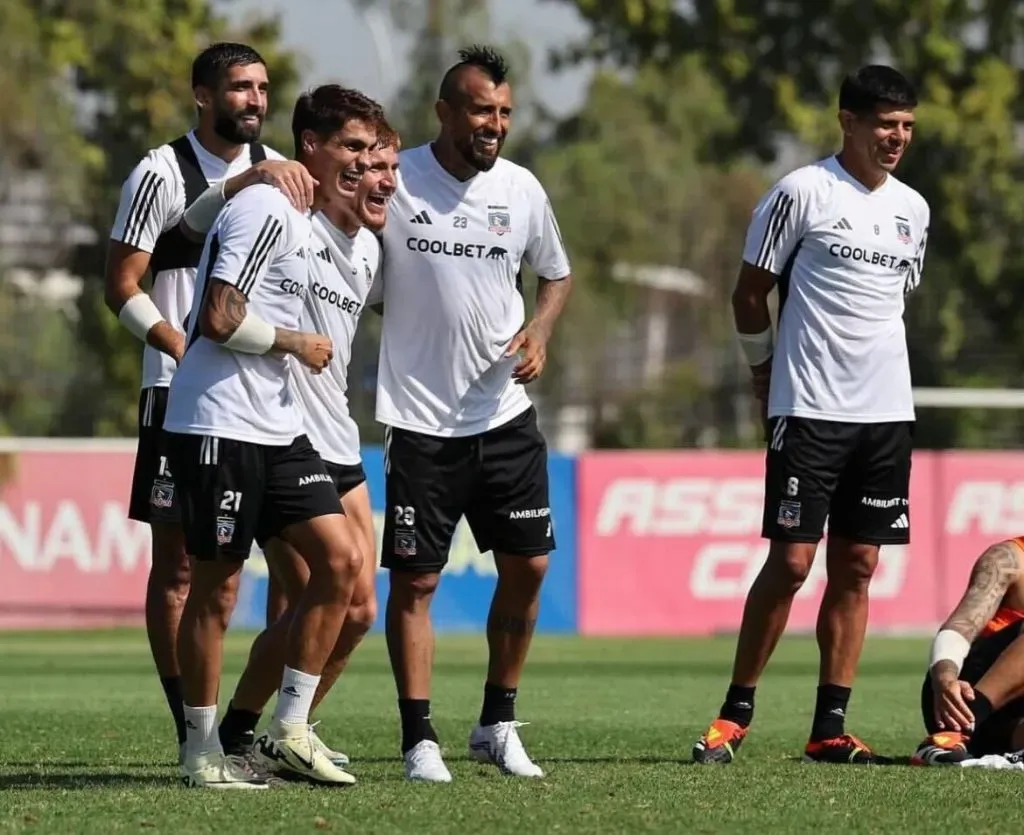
991 576
221 319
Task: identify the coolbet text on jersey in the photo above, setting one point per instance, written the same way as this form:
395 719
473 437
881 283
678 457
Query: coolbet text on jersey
153 201
452 292
342 271
260 245
846 257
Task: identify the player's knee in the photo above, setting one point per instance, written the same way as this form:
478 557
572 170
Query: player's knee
791 563
855 567
362 614
344 561
412 591
524 572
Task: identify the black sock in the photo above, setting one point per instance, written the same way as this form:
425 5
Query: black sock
499 705
738 706
172 690
416 725
237 730
830 712
981 707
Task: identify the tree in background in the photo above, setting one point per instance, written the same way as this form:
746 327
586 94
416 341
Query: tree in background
635 185
780 65
120 73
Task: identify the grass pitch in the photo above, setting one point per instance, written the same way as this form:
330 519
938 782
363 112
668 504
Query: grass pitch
87 746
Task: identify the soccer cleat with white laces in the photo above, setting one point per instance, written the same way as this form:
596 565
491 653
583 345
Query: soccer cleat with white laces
288 748
213 770
423 763
336 757
500 744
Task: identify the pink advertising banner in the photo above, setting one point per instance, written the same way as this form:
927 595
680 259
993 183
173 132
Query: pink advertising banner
670 543
67 548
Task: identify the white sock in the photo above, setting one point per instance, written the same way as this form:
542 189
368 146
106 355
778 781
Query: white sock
201 730
295 698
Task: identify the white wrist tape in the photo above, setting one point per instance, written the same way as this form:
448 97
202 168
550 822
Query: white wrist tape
139 314
757 347
949 646
203 212
253 336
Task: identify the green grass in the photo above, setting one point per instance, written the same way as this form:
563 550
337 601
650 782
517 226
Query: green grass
86 746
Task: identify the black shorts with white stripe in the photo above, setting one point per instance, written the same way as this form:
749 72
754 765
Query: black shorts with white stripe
855 475
233 493
153 497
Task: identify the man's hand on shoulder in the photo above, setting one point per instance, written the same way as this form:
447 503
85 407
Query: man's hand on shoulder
287 176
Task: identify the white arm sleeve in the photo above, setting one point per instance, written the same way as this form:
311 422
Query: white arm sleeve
251 231
779 222
545 251
149 205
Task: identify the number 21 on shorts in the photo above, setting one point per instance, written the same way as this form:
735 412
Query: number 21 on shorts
231 501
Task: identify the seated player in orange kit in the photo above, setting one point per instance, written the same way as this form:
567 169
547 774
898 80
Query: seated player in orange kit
972 700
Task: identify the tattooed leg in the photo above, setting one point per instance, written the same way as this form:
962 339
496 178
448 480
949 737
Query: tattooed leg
513 616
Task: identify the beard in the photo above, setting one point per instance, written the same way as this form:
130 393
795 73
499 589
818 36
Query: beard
481 162
231 128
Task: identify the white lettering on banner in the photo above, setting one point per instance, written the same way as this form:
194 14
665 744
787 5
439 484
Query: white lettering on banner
120 544
994 508
726 570
680 506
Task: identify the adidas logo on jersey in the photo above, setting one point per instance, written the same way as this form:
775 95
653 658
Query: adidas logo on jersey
423 217
843 224
324 255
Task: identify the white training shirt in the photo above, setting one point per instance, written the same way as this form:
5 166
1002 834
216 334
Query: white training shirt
341 269
452 293
259 244
846 257
153 202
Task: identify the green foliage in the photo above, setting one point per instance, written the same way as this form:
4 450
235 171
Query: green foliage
36 340
126 71
634 185
780 66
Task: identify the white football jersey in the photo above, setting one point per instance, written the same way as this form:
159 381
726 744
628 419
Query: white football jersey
259 244
341 270
845 257
452 292
152 203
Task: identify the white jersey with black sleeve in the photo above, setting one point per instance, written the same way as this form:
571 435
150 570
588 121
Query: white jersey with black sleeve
260 245
845 257
453 295
342 270
153 201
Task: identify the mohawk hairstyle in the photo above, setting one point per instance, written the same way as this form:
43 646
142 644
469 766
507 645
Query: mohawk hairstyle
485 58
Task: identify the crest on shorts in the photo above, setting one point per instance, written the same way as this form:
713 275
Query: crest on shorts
789 514
162 495
903 230
405 542
225 530
499 222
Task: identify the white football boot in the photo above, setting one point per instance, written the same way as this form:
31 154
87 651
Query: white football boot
336 757
214 770
500 744
423 763
289 747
